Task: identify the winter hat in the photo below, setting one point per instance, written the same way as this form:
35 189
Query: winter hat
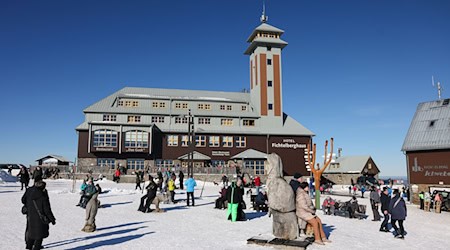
297 175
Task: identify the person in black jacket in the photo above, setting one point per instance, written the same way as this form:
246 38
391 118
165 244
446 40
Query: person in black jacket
181 178
138 180
385 200
295 182
397 209
37 174
37 203
148 198
24 177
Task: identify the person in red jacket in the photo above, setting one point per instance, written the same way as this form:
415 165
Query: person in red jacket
257 181
116 177
328 206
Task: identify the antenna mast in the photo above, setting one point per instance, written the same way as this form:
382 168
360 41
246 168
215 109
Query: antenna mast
264 18
438 86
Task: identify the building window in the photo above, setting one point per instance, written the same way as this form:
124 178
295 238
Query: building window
109 118
270 106
131 103
214 141
184 141
136 164
105 138
256 165
135 104
227 141
269 48
120 103
241 141
181 105
229 107
200 141
179 120
249 123
106 162
226 122
244 108
154 104
136 139
218 163
269 61
164 163
158 119
172 140
162 104
134 118
204 106
204 120
222 107
269 83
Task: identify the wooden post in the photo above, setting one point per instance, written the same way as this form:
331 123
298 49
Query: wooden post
318 172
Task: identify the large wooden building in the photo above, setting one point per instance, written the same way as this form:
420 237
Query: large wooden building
427 147
149 127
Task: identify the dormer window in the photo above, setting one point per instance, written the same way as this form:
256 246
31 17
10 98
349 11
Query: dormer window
432 123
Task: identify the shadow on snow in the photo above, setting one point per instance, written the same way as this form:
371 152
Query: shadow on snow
114 204
254 215
110 242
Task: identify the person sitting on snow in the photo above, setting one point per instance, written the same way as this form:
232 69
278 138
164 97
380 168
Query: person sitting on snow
328 206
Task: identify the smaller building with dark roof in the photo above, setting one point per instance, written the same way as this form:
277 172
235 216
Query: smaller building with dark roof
346 168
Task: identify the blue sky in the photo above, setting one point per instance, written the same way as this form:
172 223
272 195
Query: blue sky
353 70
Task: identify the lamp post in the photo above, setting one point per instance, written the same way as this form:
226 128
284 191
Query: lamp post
191 140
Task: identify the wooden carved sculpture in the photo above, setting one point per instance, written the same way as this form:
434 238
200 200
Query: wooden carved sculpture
318 172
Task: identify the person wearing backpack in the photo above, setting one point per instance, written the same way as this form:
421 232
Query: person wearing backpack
397 209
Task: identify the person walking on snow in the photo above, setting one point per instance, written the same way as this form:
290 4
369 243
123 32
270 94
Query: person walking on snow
385 200
190 185
234 198
138 180
181 179
24 177
397 209
374 201
171 188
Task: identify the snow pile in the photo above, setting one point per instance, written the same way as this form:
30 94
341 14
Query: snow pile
5 177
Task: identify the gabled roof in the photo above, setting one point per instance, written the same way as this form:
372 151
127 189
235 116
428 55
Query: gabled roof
57 157
430 127
250 154
196 156
264 27
348 164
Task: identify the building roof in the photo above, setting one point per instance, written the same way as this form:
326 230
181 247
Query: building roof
196 156
265 126
348 164
57 157
264 27
250 154
430 127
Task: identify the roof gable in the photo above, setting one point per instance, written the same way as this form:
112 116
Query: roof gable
349 164
430 127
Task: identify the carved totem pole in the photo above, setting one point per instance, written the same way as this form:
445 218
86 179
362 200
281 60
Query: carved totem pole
281 200
318 172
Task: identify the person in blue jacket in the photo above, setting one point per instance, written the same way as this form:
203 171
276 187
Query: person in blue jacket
190 185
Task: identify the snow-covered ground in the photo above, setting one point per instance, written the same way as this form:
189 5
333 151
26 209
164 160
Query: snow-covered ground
121 226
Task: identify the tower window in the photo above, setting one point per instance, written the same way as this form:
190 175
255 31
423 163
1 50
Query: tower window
270 106
269 61
269 83
269 48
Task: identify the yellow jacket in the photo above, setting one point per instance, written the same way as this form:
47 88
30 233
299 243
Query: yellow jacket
171 185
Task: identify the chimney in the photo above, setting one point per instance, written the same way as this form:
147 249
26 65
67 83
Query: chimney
339 152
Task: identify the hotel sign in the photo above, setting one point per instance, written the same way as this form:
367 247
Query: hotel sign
220 153
104 149
289 144
431 170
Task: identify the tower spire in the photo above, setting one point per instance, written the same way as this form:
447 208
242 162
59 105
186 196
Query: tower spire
264 18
